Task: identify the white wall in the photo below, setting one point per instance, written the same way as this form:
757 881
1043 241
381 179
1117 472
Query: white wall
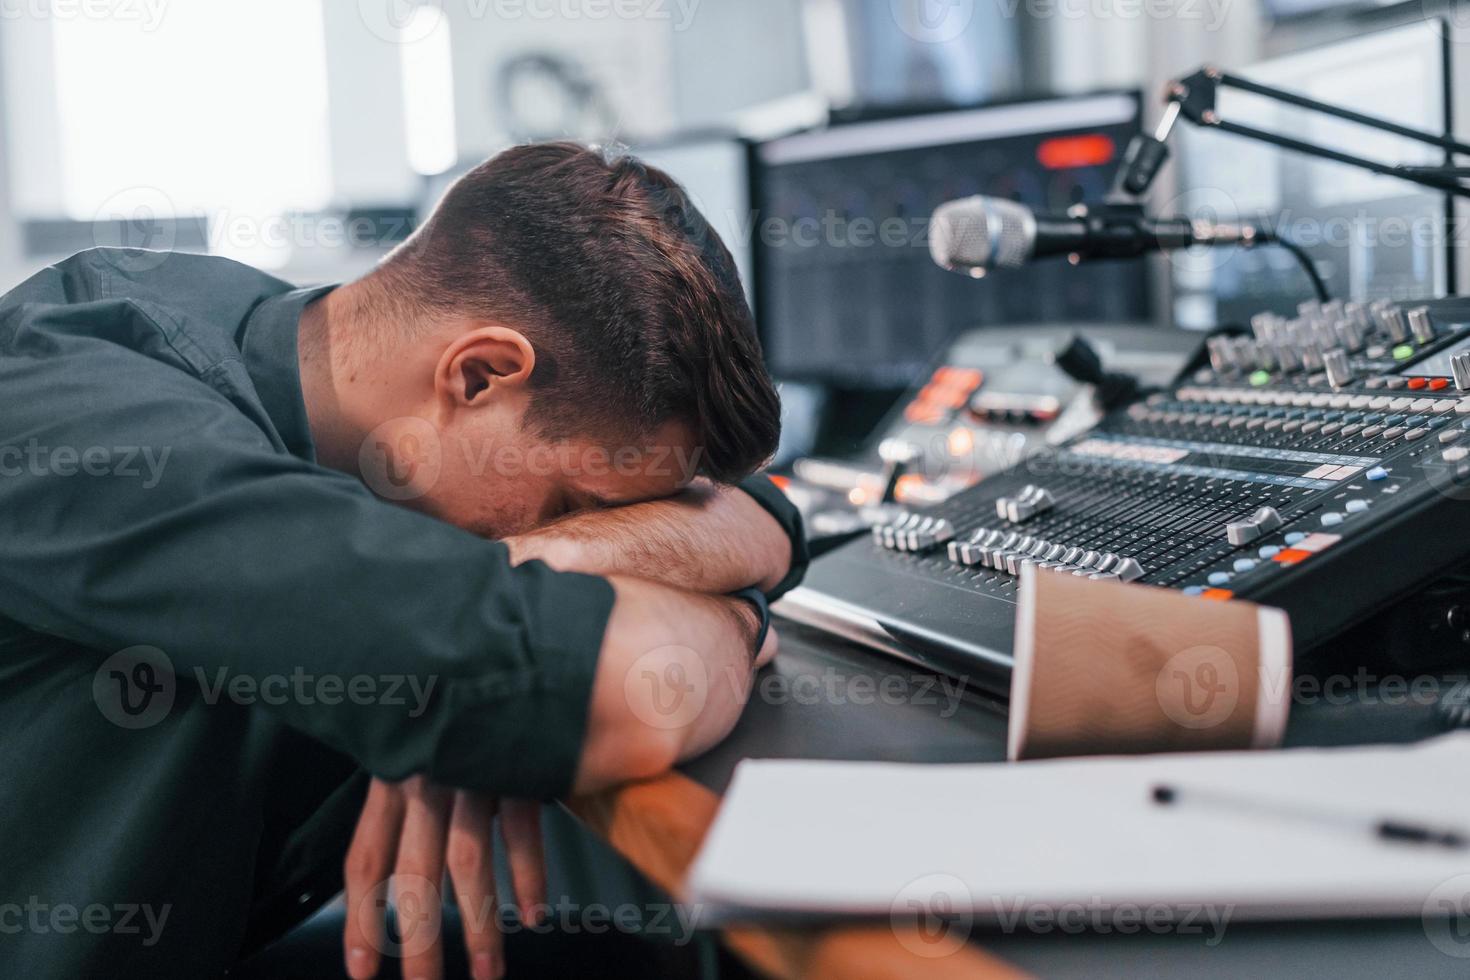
632 58
685 63
734 54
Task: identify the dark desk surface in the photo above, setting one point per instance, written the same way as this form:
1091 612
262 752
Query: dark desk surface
827 699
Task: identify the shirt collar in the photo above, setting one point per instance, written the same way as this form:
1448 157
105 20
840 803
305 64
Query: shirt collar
268 341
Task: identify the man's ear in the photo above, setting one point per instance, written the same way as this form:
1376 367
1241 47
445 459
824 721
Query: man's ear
482 360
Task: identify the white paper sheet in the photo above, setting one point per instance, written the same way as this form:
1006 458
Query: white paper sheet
853 837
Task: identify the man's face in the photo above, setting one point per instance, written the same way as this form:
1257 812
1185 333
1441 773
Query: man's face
489 474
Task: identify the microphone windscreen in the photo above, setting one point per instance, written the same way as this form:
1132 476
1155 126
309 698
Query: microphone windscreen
981 233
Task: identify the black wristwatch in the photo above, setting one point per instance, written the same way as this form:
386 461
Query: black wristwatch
757 598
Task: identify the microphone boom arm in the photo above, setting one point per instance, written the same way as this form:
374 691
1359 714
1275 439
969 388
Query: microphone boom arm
1195 97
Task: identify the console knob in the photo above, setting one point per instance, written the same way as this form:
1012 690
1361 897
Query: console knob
1360 314
1263 521
1377 311
1325 335
1263 326
1029 502
1311 357
1265 355
1392 322
1350 334
1127 570
1460 368
1421 325
1339 371
1288 358
1245 353
1222 354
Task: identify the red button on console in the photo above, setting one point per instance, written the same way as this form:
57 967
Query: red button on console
1436 384
1417 383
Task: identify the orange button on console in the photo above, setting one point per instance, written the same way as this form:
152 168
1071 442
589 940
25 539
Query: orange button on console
1417 383
1219 595
968 378
1290 556
1438 384
921 414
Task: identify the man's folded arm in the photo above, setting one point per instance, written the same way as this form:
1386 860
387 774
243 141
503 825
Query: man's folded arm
708 538
418 646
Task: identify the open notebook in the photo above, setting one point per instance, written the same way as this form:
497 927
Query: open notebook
858 837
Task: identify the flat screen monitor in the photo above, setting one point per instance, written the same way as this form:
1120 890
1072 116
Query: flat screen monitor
1370 236
846 290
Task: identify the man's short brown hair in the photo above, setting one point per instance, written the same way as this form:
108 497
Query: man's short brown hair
631 299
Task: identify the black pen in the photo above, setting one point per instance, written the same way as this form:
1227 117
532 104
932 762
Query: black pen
1384 828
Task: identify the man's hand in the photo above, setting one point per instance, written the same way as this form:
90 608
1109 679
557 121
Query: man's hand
412 832
656 699
707 539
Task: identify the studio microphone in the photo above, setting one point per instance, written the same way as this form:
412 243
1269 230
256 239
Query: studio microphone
974 234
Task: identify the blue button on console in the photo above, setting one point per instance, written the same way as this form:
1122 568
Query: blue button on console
1219 578
1376 473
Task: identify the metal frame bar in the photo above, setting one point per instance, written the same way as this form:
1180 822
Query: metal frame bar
1195 96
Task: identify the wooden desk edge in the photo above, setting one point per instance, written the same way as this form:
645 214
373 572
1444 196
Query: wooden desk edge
658 826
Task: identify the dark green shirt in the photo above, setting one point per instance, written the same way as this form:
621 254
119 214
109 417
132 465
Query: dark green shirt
182 588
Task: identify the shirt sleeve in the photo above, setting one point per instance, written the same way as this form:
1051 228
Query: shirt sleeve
779 506
141 506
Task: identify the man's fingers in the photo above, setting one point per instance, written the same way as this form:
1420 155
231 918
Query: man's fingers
417 875
520 825
768 649
471 859
369 859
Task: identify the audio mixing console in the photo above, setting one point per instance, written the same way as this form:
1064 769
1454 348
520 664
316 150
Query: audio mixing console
1320 465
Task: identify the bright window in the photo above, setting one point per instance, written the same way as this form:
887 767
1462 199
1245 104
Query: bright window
428 90
217 109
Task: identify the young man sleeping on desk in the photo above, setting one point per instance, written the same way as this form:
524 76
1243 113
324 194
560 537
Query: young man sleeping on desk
439 525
